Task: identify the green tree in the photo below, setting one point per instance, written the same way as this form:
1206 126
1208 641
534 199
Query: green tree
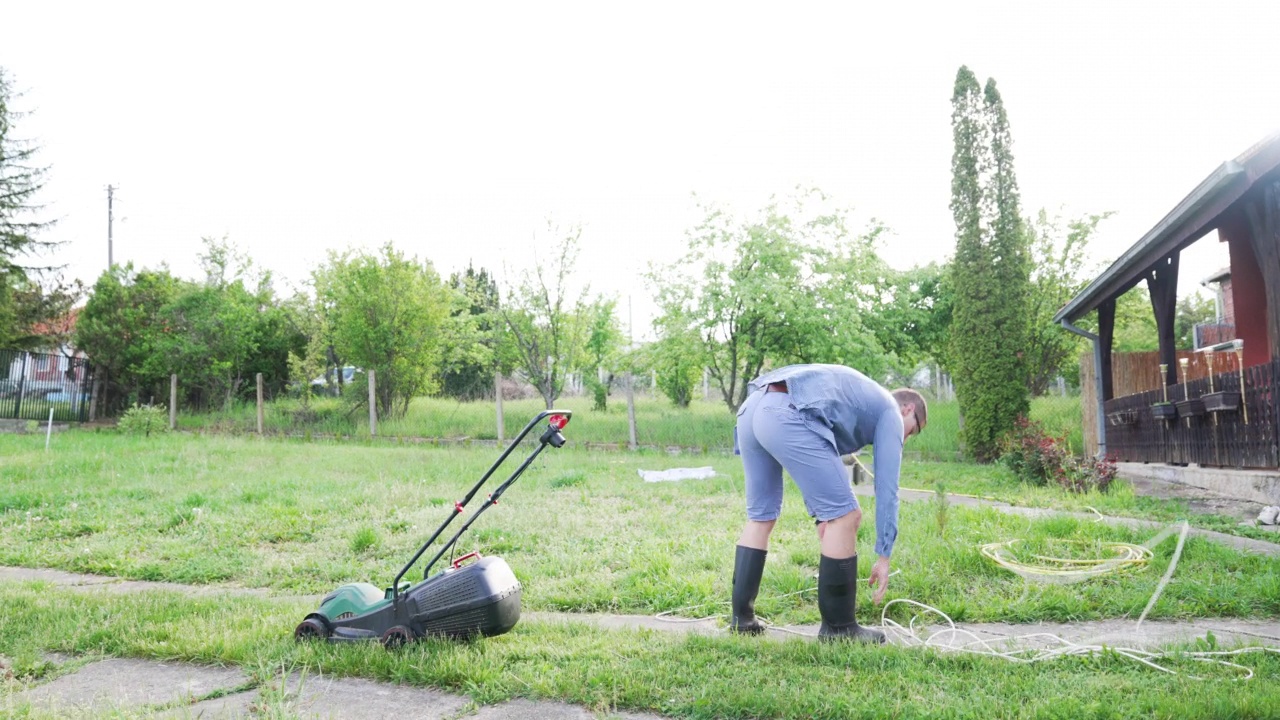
547 320
224 329
912 315
387 312
1060 273
603 343
991 273
310 359
209 334
1191 311
1135 323
121 329
676 358
21 178
474 338
790 285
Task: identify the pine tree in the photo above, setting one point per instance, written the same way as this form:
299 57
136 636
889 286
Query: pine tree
20 180
991 271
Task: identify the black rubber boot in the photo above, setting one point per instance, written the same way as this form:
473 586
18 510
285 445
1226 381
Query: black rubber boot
748 568
837 595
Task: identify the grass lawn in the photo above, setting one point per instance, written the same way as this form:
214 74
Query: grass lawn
705 425
694 677
583 533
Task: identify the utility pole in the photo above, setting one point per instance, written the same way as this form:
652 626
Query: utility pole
110 221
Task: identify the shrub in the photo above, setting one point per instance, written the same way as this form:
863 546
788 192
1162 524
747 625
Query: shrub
1085 474
144 420
1031 453
1039 458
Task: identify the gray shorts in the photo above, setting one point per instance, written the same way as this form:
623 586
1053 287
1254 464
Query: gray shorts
771 435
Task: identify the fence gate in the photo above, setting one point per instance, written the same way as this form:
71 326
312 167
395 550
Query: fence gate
32 384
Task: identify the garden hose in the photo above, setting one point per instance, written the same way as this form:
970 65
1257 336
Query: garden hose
1119 557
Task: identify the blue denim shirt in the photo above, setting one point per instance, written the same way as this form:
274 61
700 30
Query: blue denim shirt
851 411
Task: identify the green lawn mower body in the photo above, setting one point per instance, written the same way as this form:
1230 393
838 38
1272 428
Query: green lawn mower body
473 596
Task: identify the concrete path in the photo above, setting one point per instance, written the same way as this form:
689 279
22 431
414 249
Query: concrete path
1241 543
182 691
1150 635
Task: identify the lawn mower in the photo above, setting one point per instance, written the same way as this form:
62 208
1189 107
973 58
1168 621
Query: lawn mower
481 597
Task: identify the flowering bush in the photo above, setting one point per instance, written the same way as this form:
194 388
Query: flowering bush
1085 474
1031 453
1039 458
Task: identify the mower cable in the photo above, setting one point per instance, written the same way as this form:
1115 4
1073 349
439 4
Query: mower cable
954 639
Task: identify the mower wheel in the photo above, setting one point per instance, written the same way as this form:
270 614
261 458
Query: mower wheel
311 629
396 637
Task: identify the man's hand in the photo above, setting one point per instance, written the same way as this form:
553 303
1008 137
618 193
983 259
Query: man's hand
879 578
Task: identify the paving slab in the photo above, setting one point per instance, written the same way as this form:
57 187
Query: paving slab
631 622
317 697
228 707
129 683
544 710
101 583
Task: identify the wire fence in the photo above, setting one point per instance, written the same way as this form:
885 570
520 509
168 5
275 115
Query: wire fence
648 421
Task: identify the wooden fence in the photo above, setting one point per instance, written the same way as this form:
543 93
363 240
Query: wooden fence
1244 436
1133 373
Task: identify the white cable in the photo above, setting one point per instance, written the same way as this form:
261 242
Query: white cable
945 639
1173 563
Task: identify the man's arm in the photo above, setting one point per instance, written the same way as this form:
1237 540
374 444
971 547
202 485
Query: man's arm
888 464
888 445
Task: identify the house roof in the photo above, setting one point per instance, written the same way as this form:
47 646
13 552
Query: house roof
64 325
1189 220
1218 276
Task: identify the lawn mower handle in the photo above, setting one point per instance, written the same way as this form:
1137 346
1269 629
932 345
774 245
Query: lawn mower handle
458 506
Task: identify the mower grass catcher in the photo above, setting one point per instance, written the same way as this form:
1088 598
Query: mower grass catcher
479 598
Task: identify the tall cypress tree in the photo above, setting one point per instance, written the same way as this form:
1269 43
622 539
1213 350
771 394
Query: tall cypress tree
1010 317
991 270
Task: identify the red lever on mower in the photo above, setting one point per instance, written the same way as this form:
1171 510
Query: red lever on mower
458 563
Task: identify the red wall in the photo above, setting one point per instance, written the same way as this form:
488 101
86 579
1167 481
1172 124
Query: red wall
1248 296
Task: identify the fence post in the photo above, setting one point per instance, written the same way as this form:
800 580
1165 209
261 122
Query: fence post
631 410
497 394
373 406
93 398
260 413
173 402
22 385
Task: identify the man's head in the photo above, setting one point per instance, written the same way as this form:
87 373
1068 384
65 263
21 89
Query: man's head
915 412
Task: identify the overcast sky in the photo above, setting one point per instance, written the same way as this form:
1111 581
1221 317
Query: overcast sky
457 131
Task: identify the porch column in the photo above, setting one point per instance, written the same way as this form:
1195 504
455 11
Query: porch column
1263 211
1106 329
1162 282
